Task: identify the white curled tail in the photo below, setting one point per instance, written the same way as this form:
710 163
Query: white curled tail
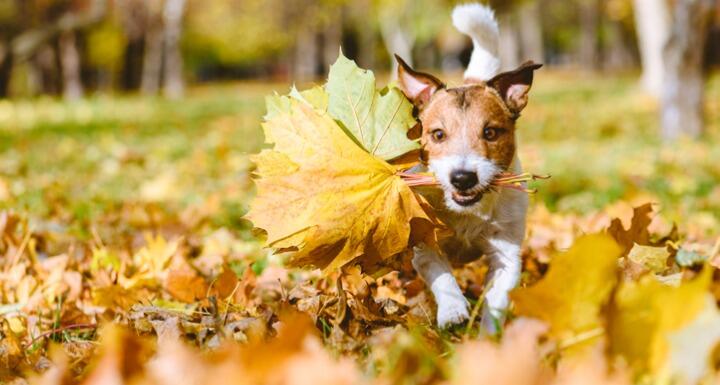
478 21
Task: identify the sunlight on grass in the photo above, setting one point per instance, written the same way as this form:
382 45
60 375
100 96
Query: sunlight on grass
594 134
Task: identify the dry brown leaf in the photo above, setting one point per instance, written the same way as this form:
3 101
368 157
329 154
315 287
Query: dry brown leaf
638 231
185 285
517 360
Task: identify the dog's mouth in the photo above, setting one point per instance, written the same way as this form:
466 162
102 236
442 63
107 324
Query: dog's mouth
467 198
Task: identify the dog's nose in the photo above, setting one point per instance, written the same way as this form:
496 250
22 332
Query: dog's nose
463 180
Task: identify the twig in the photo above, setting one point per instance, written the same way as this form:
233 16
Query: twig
61 329
580 338
478 305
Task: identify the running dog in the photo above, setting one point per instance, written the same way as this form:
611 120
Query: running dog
468 139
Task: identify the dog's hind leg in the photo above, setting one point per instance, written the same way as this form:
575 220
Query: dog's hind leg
452 307
503 276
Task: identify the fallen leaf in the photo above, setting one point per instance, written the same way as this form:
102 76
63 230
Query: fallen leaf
590 368
691 346
151 260
652 258
644 314
687 258
185 285
517 360
638 231
11 353
225 283
121 360
569 297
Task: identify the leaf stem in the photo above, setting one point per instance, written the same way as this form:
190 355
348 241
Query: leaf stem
506 180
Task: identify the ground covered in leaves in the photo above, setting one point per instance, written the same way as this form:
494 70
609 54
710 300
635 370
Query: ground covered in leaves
123 257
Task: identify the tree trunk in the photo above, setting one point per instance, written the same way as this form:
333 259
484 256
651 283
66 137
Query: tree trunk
682 89
6 66
306 54
509 42
332 36
133 17
70 64
589 49
398 41
152 60
616 53
652 23
367 39
46 62
173 15
133 61
531 32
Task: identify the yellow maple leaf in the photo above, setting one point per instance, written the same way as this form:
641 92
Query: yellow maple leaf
151 261
576 286
326 199
647 312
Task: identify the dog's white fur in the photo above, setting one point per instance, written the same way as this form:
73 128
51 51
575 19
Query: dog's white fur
496 224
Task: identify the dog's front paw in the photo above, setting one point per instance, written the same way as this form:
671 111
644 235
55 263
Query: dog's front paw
452 311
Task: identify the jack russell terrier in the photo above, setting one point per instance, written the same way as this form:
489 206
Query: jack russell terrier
468 139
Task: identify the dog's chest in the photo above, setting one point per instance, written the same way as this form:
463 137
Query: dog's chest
470 239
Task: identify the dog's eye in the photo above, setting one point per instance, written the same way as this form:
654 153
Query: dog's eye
491 133
438 135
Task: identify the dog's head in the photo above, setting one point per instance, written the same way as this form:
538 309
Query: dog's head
468 132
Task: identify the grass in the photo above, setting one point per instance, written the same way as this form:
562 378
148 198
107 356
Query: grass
596 135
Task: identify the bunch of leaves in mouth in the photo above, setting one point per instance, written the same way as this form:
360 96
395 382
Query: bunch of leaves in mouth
504 180
328 192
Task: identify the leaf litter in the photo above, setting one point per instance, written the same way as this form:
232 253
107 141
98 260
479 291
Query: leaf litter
173 300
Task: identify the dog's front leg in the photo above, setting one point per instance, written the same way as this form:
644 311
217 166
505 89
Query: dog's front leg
452 307
503 276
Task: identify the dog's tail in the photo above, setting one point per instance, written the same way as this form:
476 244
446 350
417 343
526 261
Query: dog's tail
478 21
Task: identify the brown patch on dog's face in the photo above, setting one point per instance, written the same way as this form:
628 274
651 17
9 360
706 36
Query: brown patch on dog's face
468 132
468 119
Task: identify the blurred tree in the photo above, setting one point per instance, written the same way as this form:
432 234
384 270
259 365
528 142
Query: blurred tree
307 17
509 40
405 23
70 65
683 84
365 31
617 25
153 53
228 33
105 46
133 19
521 31
28 26
172 18
652 19
531 31
332 33
589 40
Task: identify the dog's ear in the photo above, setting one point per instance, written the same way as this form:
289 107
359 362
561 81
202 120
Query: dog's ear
514 86
417 86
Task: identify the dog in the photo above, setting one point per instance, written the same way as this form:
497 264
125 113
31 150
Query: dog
468 139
